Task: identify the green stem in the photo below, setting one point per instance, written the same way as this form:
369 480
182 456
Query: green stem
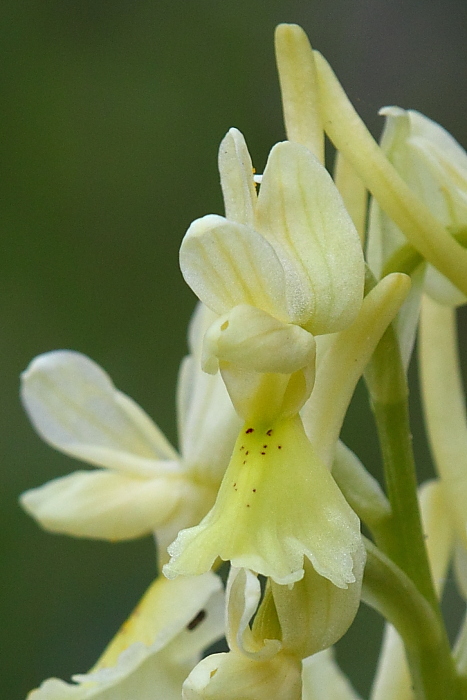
402 536
388 590
388 390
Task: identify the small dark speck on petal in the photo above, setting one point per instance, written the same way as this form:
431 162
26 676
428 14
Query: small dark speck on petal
197 620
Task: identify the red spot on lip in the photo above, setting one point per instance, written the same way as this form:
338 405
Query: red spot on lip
250 430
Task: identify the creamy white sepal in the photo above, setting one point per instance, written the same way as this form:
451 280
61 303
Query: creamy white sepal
75 407
208 423
301 213
341 360
323 679
226 264
243 594
106 505
233 676
155 649
236 171
251 339
434 166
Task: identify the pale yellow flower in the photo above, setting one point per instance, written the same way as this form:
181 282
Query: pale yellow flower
142 484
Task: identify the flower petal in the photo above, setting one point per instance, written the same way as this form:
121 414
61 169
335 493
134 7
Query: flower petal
341 360
226 264
315 613
74 406
155 649
208 422
434 166
301 213
283 506
103 504
236 171
243 594
233 676
323 679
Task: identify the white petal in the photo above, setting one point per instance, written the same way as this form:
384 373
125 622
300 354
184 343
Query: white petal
236 172
234 676
434 166
155 649
103 504
302 215
227 264
243 594
200 321
74 406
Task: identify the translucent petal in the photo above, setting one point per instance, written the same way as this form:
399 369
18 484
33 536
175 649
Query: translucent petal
227 264
301 213
74 406
236 171
276 505
105 505
155 649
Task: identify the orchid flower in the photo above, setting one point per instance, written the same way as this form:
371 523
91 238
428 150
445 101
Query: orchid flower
142 484
278 502
265 656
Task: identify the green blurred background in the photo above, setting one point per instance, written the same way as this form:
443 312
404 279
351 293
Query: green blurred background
111 116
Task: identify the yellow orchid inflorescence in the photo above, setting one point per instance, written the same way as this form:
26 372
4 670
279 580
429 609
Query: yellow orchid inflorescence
306 283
